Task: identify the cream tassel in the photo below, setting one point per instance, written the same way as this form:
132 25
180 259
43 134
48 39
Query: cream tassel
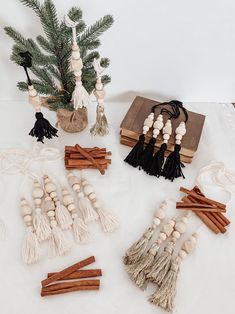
138 271
58 244
80 230
87 211
62 215
163 261
135 252
164 296
30 249
80 96
41 225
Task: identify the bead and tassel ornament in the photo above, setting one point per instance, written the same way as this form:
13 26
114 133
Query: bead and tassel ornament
136 251
134 156
101 125
42 127
164 296
30 248
80 96
108 222
138 271
79 228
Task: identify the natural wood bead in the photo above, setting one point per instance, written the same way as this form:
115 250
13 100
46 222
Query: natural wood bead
25 210
176 234
160 213
88 189
38 192
92 196
171 222
71 207
167 128
76 54
50 187
76 187
145 128
53 223
99 94
27 218
76 64
158 125
180 227
156 221
49 205
46 179
182 254
167 229
37 201
178 142
84 182
23 202
156 132
68 199
148 122
178 137
51 213
162 236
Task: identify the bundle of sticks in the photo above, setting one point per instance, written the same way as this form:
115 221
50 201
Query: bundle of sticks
209 211
77 157
66 280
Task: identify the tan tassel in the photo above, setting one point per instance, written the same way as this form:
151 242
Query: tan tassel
135 252
164 296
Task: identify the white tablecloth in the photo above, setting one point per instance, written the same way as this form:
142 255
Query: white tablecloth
206 282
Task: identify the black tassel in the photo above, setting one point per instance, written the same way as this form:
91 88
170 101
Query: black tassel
158 161
42 128
134 156
172 167
146 157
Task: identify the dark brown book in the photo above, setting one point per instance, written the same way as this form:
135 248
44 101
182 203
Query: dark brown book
132 124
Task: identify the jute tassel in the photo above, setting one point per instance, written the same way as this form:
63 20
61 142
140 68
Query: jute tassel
30 248
163 261
108 222
135 252
139 270
80 97
84 204
101 125
164 296
40 221
80 229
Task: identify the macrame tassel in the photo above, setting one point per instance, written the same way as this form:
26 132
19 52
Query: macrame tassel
87 211
62 215
42 128
165 295
41 226
137 270
30 249
161 265
157 162
136 251
80 96
133 157
58 244
146 157
108 221
80 231
173 166
101 125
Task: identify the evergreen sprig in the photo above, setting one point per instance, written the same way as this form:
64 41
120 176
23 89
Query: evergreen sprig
51 53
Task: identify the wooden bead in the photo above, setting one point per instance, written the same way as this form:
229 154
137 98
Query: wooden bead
46 179
172 223
178 137
25 210
97 204
166 136
180 227
50 187
51 213
167 229
148 122
71 207
76 187
76 55
182 254
23 202
176 234
145 128
53 223
178 142
158 125
188 246
37 201
156 132
92 196
49 205
67 200
156 221
38 193
53 195
88 189
180 130
27 218
162 236
160 213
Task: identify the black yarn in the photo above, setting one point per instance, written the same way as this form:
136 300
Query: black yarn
133 157
42 128
158 161
146 157
173 166
26 63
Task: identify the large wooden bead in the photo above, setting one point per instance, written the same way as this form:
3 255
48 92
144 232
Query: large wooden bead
38 192
176 234
50 187
27 218
182 254
92 196
67 200
51 213
76 55
160 213
167 128
166 136
162 236
37 201
167 229
76 64
25 210
180 227
49 205
148 122
88 189
71 207
76 187
158 125
72 180
156 221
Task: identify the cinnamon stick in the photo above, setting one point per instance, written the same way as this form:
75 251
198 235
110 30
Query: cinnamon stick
196 205
81 162
67 271
70 284
85 273
104 167
222 217
94 155
203 198
201 209
72 289
88 149
216 222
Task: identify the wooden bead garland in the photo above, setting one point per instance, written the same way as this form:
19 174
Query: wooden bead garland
40 222
80 229
135 252
84 204
30 248
108 222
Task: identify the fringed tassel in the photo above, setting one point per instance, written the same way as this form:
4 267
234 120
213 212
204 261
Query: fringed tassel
86 209
101 125
164 296
146 157
63 216
161 265
30 248
108 221
135 252
58 244
137 271
173 166
80 230
133 157
157 161
42 128
41 225
80 96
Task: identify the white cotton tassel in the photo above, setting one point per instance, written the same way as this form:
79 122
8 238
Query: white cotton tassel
58 244
108 221
80 230
41 225
30 248
63 216
86 209
80 96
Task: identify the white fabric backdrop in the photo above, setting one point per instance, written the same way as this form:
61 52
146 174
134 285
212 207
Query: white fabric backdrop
206 281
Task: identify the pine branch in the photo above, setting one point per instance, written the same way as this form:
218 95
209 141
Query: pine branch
89 58
105 79
45 44
33 4
41 88
104 62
